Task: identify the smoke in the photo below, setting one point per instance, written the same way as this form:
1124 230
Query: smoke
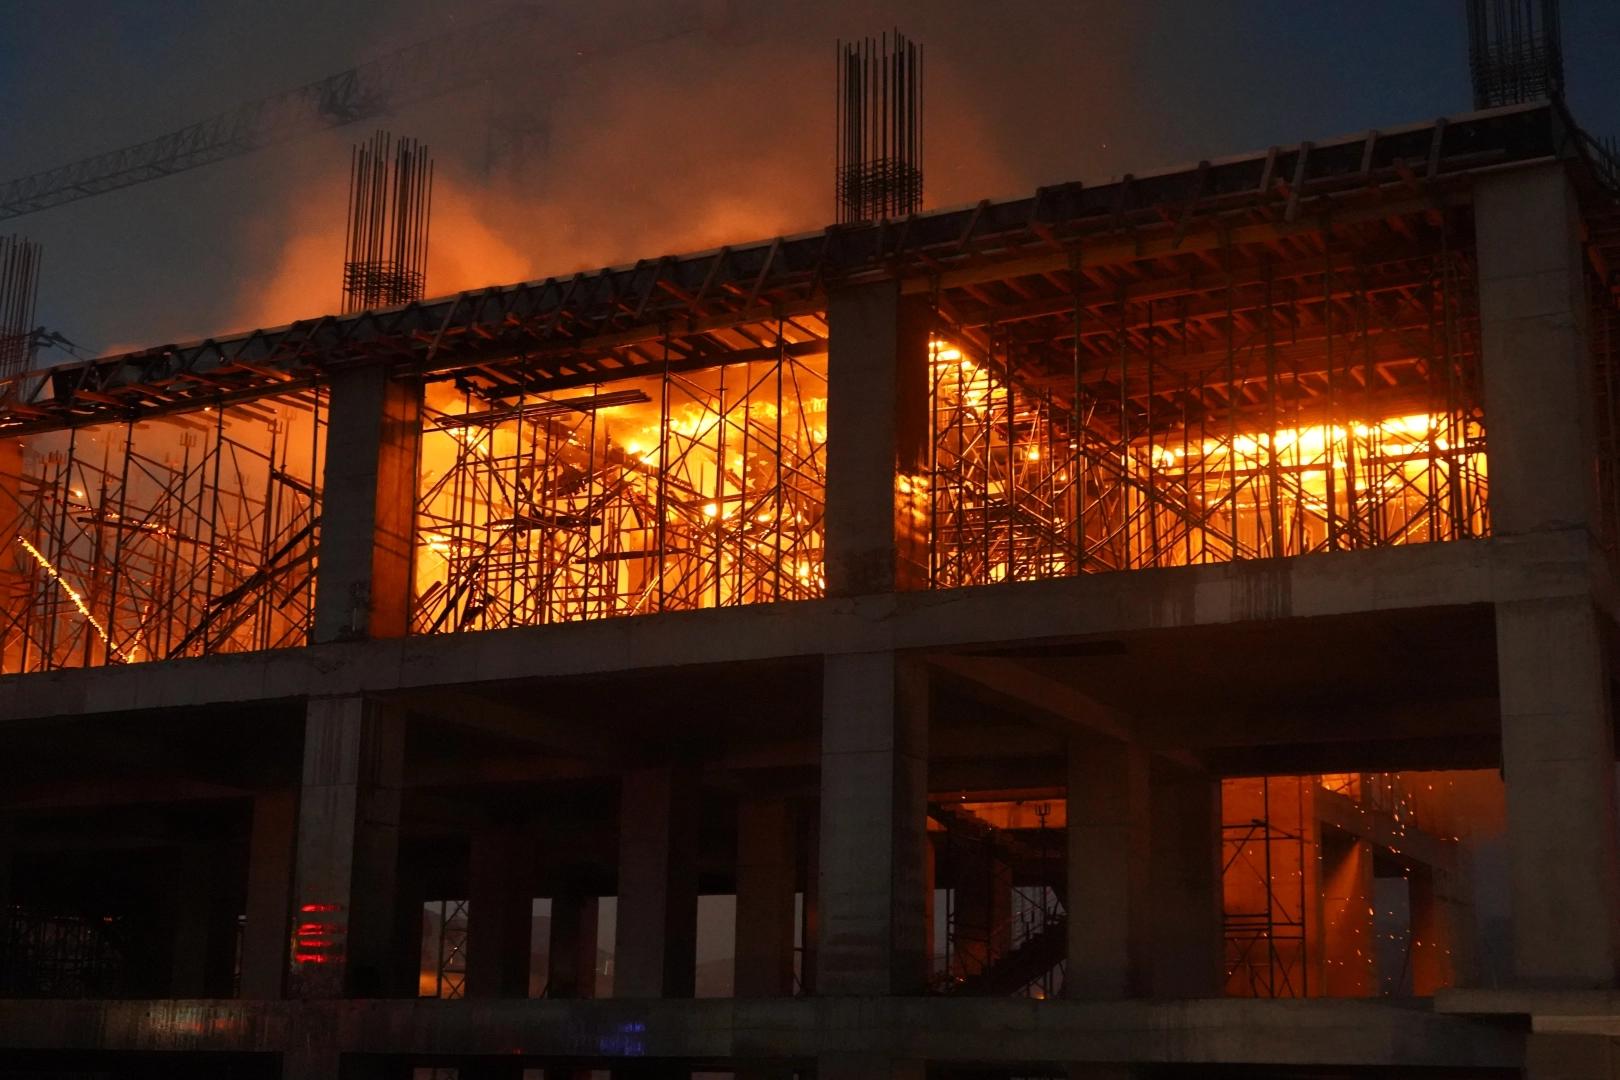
715 137
721 135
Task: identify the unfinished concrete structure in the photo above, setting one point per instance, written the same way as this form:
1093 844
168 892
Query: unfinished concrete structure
950 591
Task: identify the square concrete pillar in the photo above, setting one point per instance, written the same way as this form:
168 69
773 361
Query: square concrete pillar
1349 949
368 507
1109 913
1570 1057
1442 929
874 835
1558 760
1187 931
656 928
810 902
877 431
983 910
500 914
1534 345
572 959
348 848
767 864
190 881
266 929
868 1067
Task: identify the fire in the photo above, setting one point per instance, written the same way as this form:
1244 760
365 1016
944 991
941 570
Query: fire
78 600
707 492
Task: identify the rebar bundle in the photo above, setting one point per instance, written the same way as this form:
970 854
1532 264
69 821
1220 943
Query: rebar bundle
19 289
390 200
1515 51
879 129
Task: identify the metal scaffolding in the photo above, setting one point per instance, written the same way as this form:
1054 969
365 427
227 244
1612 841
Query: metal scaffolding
1298 409
181 537
1267 885
686 490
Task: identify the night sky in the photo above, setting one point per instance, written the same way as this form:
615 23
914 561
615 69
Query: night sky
723 135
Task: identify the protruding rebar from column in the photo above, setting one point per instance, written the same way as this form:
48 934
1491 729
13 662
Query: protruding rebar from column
19 291
880 128
385 248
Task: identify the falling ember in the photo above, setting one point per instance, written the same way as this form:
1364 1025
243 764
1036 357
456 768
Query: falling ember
78 600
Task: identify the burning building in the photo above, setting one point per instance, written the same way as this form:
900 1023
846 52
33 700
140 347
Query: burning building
1151 626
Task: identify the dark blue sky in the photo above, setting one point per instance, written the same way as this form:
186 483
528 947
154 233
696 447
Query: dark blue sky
730 130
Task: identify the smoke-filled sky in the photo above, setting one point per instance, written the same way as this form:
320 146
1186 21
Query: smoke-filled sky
720 135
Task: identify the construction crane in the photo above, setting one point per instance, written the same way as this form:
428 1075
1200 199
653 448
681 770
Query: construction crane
429 69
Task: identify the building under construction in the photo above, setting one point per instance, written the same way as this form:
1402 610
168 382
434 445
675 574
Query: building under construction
1160 627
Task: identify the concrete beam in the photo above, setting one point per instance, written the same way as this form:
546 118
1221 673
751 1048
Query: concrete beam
1421 576
1403 843
482 713
1021 689
1310 1032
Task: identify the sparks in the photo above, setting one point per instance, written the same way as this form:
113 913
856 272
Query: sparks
73 594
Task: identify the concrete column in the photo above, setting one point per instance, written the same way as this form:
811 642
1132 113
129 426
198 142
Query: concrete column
317 1062
8 855
766 871
491 1070
810 904
656 928
1186 935
1557 738
191 899
500 914
983 906
265 932
868 1067
1440 922
348 847
1109 869
403 975
1558 759
1570 1057
877 430
874 806
1534 346
368 507
572 959
1349 951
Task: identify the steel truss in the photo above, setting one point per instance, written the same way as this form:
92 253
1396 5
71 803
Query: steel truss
687 490
175 538
1278 417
